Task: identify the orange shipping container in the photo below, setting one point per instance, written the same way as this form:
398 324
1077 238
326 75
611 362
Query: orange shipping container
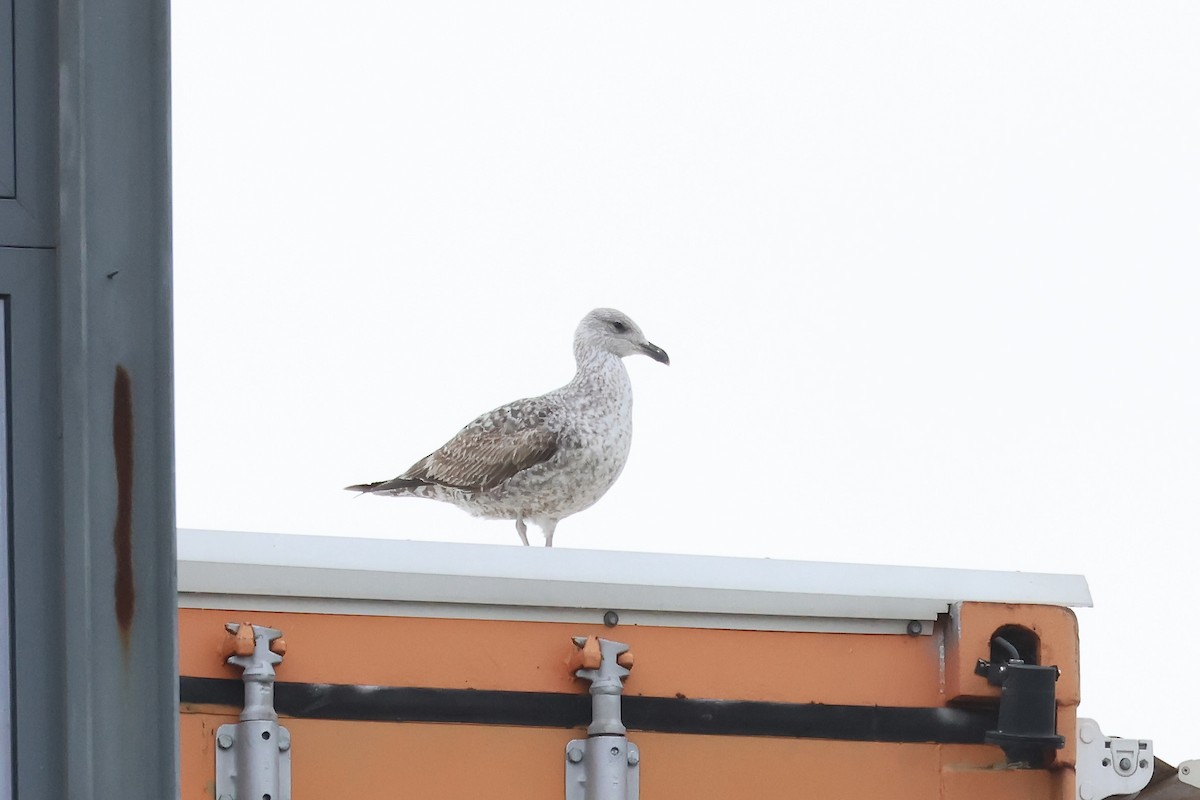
446 671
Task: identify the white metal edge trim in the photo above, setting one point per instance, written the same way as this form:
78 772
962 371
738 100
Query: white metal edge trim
590 616
601 566
317 566
485 590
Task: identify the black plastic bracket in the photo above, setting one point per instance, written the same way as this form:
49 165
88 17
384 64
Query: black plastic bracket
1027 710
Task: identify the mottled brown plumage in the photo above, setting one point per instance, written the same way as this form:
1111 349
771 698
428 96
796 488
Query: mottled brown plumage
542 458
482 456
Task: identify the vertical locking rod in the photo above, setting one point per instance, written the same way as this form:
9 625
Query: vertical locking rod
254 756
605 766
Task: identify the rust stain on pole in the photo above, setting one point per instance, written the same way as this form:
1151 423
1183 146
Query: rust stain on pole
123 591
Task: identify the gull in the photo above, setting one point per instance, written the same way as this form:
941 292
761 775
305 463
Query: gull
541 459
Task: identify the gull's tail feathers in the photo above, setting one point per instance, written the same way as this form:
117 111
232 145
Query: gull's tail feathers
397 486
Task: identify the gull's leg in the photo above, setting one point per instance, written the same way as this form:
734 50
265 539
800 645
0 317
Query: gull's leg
521 532
548 529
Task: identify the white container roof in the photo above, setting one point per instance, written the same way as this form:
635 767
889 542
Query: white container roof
329 574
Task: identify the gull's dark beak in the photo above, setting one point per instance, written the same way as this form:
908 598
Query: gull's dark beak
655 352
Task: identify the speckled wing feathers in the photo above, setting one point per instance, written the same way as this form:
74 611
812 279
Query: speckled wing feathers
484 454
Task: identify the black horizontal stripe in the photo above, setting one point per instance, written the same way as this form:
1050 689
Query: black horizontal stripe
660 714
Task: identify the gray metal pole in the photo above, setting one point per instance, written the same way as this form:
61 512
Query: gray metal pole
114 297
607 764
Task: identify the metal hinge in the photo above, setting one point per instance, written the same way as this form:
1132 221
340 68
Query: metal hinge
604 766
254 757
1106 766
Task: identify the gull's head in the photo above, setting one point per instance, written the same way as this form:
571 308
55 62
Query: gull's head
611 331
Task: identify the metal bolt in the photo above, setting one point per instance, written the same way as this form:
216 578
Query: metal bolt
224 741
285 741
1142 763
1185 770
1125 764
574 755
633 758
1105 763
915 627
614 751
611 619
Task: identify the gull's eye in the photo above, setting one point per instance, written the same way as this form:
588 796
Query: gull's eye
618 326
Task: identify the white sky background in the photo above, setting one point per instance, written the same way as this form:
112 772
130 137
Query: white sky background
928 274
